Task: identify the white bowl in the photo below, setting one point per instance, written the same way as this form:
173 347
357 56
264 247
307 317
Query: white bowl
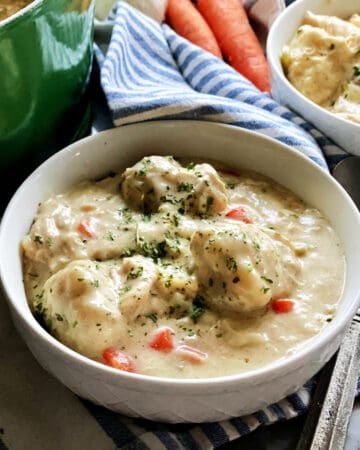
343 132
165 399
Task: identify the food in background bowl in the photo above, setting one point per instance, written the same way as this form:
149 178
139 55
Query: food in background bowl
343 132
10 7
169 269
164 398
323 62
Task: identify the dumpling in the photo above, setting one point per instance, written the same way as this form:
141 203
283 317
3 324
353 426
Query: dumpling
90 305
240 267
154 289
83 224
156 180
80 305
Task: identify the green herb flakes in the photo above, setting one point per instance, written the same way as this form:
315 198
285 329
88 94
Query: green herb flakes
185 187
133 274
142 172
231 264
153 317
268 280
124 290
154 250
109 236
38 239
198 308
127 253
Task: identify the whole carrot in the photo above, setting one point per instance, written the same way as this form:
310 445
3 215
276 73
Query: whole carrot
237 40
186 20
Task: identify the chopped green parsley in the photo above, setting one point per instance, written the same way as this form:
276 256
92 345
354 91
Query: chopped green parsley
133 274
268 280
153 317
185 187
231 264
38 239
124 290
109 236
198 308
142 172
154 250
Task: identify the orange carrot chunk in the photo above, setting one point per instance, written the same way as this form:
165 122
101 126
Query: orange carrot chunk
238 213
163 340
191 354
188 22
87 227
282 305
237 40
118 360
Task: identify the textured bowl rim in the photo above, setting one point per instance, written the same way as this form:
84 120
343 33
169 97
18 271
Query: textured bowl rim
270 371
275 63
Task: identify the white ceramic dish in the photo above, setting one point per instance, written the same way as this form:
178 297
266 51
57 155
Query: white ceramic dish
343 132
165 399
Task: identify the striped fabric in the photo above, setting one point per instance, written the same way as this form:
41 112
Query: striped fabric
151 73
112 14
131 434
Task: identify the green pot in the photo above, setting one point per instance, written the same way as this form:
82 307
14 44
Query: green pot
45 64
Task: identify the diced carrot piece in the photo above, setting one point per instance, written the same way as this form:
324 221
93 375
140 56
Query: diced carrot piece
87 227
163 340
238 213
118 360
191 354
282 305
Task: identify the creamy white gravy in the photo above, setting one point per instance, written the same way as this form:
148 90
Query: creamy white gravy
323 62
206 253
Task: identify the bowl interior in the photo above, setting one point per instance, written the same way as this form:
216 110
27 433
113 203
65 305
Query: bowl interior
115 149
345 133
292 17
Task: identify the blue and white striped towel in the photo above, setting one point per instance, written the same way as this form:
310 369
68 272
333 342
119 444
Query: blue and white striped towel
150 73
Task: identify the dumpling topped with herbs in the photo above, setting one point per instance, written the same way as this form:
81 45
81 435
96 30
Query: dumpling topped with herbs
194 189
241 268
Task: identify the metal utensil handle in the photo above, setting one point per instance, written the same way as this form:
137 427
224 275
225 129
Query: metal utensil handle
331 429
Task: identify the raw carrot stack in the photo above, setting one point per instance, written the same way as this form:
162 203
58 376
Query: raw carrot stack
238 42
186 20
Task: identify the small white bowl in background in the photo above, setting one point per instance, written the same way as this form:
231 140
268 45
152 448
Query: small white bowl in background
343 132
166 399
